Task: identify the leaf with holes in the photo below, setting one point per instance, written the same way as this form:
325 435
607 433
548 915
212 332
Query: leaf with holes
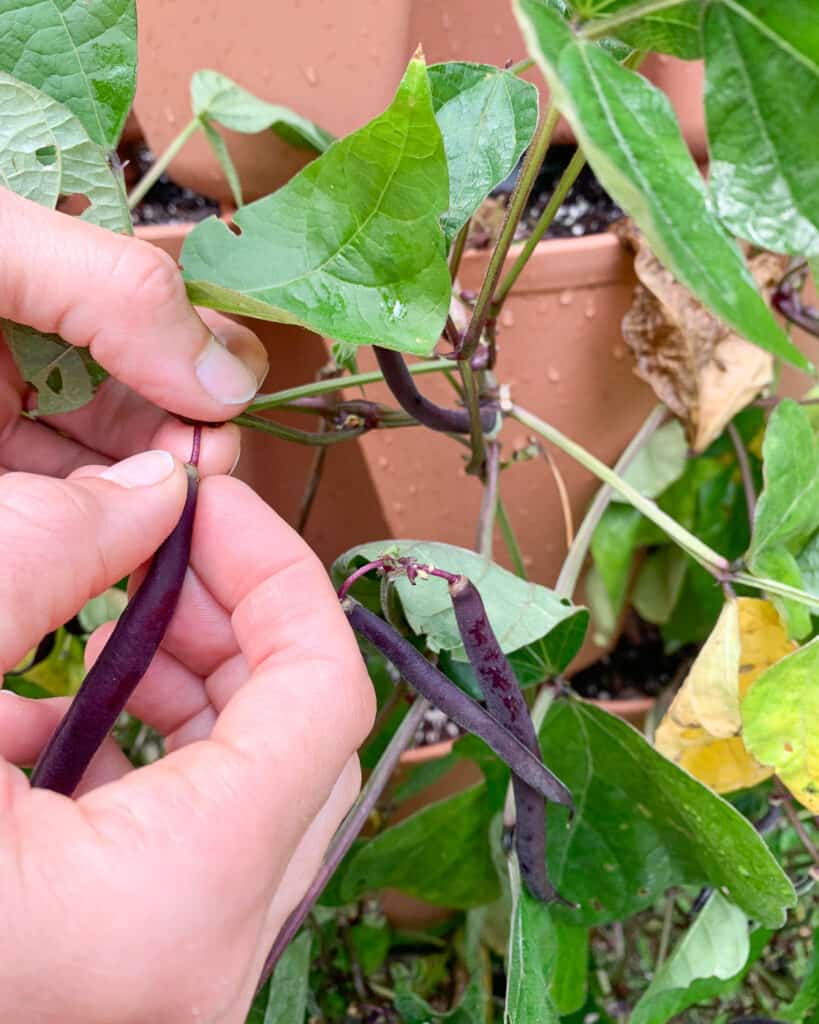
330 249
487 118
82 54
631 139
762 76
643 824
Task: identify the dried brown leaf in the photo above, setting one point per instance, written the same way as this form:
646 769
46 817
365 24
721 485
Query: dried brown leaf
701 369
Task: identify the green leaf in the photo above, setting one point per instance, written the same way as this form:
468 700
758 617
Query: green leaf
806 1000
714 949
675 30
787 512
65 377
284 1000
487 118
762 86
62 672
659 463
643 824
778 722
222 154
352 246
441 854
82 54
571 973
370 939
107 607
779 564
45 152
631 138
413 1009
612 548
531 964
808 562
659 584
520 612
215 97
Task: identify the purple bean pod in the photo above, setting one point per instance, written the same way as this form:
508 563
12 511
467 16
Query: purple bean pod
506 703
436 417
122 662
431 683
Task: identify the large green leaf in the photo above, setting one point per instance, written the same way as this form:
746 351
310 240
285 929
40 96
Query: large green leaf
441 854
487 118
674 30
714 949
352 246
81 53
659 463
531 964
521 613
643 824
284 999
631 138
570 980
413 1009
761 98
779 715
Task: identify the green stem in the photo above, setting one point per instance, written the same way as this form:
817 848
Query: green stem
567 179
510 540
472 399
746 579
457 252
576 555
322 387
161 163
307 437
531 166
489 501
606 26
522 66
707 557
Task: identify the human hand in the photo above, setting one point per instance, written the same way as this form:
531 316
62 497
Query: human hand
156 893
124 299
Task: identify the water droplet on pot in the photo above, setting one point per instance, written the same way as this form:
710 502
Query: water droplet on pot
170 117
566 298
412 489
589 310
618 352
507 318
528 561
383 462
553 374
445 23
310 74
398 508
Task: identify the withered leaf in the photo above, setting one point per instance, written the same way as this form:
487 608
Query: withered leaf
701 369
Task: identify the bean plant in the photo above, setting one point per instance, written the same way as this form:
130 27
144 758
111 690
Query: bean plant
708 523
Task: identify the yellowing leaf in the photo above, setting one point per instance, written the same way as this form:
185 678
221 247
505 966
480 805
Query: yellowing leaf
701 730
779 717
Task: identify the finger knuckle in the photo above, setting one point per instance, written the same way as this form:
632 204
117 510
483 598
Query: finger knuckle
151 275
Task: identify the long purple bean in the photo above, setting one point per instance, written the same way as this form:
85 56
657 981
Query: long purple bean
431 683
436 417
122 662
505 701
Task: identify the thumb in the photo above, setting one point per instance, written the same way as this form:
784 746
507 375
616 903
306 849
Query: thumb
66 541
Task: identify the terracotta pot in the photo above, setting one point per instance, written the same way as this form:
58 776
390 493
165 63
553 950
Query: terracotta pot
278 470
488 33
562 354
336 64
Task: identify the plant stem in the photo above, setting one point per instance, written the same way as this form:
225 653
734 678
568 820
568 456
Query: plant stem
522 66
795 821
457 250
708 558
353 380
349 830
665 934
745 472
576 555
510 540
489 501
567 179
606 26
308 437
312 486
472 399
160 165
528 172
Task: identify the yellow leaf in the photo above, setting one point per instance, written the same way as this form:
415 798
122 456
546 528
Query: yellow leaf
701 730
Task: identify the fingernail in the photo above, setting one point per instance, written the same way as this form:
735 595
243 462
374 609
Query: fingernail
141 470
224 376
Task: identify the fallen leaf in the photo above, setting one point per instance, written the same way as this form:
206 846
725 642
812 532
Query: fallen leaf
701 369
701 731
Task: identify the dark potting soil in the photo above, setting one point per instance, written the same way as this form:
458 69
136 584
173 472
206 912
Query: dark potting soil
638 666
167 202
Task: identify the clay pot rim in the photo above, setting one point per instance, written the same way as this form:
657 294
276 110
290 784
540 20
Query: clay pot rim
631 706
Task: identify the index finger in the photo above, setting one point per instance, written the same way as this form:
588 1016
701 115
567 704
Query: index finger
125 300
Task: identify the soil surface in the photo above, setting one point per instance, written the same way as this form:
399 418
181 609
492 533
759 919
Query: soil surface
166 202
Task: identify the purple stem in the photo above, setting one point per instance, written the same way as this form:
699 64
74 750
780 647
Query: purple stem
400 382
390 564
196 446
431 683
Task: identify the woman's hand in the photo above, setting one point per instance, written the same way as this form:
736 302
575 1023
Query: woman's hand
125 301
156 893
